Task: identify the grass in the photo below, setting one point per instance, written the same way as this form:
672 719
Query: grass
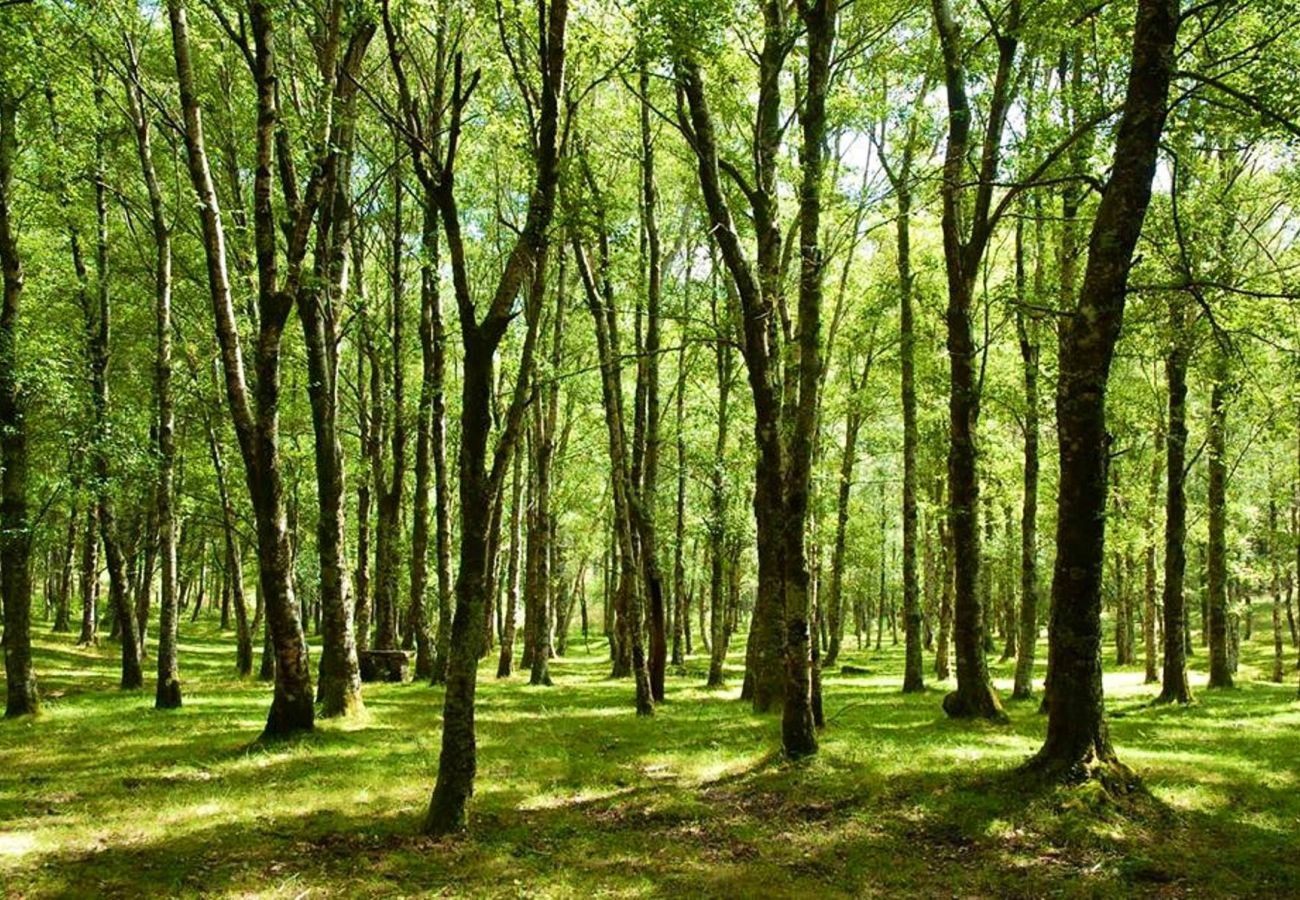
103 796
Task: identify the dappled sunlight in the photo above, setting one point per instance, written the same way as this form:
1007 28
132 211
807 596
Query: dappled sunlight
572 781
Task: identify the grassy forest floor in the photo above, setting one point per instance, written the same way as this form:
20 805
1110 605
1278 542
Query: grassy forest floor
103 796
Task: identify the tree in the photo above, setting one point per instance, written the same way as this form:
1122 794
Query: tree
1078 739
481 337
15 530
964 246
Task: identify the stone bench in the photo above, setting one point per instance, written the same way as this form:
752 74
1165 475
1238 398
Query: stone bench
383 665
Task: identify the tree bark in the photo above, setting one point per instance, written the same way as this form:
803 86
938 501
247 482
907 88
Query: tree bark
1149 613
168 690
510 617
648 487
430 383
599 294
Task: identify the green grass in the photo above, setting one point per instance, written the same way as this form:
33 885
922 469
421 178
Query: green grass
103 796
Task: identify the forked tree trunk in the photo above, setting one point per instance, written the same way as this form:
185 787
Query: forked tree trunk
964 246
481 337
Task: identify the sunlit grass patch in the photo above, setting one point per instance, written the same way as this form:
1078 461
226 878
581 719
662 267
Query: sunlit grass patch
576 795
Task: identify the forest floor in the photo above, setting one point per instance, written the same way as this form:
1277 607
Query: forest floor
103 796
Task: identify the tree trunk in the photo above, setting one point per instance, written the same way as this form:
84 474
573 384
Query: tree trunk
542 538
481 338
681 603
1149 612
506 662
63 600
1275 573
21 696
430 382
964 246
1078 739
168 691
599 293
1221 667
1175 688
717 528
388 484
256 423
339 687
367 427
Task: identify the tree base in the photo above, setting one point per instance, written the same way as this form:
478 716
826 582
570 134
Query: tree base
289 717
23 703
340 703
1074 769
984 705
446 816
1182 698
168 695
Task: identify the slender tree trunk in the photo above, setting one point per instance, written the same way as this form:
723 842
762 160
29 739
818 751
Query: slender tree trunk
339 684
98 329
599 295
545 419
168 691
1149 612
481 338
964 246
389 484
913 676
367 421
1175 688
717 529
942 662
1275 573
430 382
681 605
506 663
63 601
1221 666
